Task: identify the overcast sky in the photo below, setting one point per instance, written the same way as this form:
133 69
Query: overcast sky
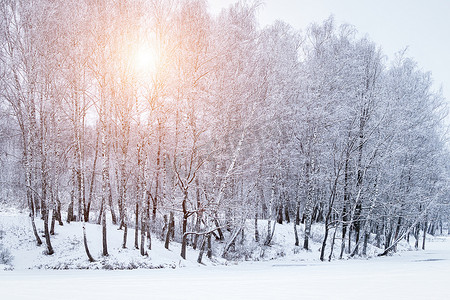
421 25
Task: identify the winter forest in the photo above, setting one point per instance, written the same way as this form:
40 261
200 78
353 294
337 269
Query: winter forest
179 126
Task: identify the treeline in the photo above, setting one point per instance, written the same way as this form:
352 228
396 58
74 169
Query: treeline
216 123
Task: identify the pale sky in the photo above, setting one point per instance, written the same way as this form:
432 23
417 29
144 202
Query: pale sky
421 25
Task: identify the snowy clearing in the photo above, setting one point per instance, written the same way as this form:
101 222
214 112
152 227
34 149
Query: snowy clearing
409 275
18 240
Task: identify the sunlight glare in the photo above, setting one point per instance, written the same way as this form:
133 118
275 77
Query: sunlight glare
144 60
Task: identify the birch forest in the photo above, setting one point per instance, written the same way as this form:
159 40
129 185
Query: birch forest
183 126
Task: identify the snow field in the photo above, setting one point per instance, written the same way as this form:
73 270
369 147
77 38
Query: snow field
294 274
412 275
70 254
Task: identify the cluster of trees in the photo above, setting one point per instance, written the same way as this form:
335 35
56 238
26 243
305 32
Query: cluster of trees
228 122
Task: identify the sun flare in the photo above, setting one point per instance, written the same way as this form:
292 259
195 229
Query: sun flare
144 60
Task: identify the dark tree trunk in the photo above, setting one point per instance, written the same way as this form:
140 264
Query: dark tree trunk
52 226
219 230
269 232
99 219
297 214
58 211
315 214
124 226
105 179
416 235
308 206
425 225
328 219
209 252
357 222
170 229
147 223
397 229
387 242
345 206
357 227
125 235
79 191
143 229
91 186
104 240
47 232
324 241
286 213
121 212
256 228
149 235
378 236
87 211
350 230
166 224
366 240
111 206
202 250
136 226
280 214
199 214
44 206
86 248
70 216
332 244
158 172
154 207
33 223
307 232
185 220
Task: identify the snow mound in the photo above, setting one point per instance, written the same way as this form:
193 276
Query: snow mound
18 249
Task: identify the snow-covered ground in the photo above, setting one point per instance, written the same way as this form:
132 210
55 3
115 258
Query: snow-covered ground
411 275
16 236
295 274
